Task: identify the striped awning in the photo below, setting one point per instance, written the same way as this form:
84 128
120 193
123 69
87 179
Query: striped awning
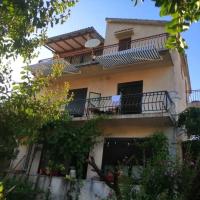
130 56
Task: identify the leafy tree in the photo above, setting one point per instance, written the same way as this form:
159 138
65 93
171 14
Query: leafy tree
24 24
190 120
66 144
23 28
183 14
31 104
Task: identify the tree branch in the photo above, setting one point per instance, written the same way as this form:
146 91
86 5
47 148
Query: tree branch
114 184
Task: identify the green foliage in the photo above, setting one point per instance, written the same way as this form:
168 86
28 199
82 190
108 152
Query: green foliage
159 181
19 190
2 197
190 119
183 14
164 178
157 175
126 184
32 103
7 141
191 146
158 143
24 24
23 27
5 82
170 180
65 142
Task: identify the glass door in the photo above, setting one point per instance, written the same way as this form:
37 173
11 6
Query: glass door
131 97
76 107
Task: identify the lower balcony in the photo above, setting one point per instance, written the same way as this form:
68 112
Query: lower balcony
149 104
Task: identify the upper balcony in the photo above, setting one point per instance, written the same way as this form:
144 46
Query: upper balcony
143 50
149 104
134 51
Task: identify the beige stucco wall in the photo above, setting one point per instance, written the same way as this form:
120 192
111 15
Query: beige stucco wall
139 31
165 75
180 81
155 78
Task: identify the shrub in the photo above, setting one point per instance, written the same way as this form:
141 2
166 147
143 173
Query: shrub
22 189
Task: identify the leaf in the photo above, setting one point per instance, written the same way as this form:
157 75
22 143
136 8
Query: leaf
1 187
185 27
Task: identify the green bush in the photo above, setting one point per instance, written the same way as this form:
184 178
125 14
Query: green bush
163 177
23 189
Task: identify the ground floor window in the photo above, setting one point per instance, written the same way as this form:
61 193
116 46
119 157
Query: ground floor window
128 153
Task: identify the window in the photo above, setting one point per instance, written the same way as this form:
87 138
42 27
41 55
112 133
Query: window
82 59
127 152
124 44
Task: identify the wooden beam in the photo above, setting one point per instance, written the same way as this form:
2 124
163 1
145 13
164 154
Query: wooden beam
77 42
60 46
90 34
49 48
78 51
67 43
86 39
54 48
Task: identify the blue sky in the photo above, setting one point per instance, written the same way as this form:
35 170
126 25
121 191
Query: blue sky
93 13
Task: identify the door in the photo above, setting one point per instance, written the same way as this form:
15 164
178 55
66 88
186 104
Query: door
77 106
131 97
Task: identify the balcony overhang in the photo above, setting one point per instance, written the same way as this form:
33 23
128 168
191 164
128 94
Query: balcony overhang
130 56
72 42
46 65
141 50
153 117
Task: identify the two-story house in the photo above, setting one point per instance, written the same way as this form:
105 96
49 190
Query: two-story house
129 76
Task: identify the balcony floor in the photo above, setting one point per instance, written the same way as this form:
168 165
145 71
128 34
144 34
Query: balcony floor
158 116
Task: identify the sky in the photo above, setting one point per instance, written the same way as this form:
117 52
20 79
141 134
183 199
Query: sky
88 13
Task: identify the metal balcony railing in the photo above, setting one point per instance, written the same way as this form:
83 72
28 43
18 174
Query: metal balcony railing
150 102
83 58
156 41
143 50
193 98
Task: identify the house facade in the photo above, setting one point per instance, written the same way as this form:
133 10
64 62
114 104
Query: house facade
130 76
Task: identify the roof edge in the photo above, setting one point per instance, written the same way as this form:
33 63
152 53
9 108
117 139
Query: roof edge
73 34
137 21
